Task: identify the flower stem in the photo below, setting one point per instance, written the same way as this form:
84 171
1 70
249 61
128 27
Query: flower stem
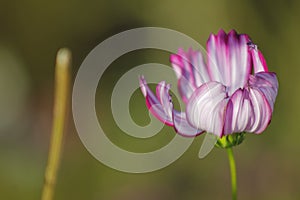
233 173
61 97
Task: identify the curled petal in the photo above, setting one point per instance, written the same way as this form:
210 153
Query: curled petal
183 127
161 107
162 93
158 105
205 109
267 83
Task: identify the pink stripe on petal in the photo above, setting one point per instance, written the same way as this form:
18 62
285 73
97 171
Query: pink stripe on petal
216 57
239 61
205 109
223 61
259 61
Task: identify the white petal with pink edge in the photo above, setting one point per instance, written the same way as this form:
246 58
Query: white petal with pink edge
191 71
162 108
239 113
259 62
228 59
205 109
157 104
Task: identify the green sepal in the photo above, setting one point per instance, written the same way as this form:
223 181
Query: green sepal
231 140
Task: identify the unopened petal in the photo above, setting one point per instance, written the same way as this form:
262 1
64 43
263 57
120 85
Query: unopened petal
229 61
216 58
239 60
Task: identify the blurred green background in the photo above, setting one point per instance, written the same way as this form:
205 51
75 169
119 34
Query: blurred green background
31 33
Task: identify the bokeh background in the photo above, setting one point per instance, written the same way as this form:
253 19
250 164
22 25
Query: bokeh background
31 33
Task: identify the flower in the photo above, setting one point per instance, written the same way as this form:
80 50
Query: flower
231 92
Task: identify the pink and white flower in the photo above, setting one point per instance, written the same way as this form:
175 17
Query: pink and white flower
231 92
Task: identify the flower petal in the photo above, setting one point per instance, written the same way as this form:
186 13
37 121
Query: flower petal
199 67
183 127
161 107
158 105
261 109
217 58
247 111
162 93
190 70
239 60
205 109
259 62
239 113
185 89
267 83
229 61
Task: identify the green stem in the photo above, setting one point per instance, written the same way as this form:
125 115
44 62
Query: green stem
233 173
61 100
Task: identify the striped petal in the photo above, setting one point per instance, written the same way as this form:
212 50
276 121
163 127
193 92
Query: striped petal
158 104
161 106
239 60
190 70
221 95
217 58
267 83
206 108
229 61
247 111
185 89
262 111
259 62
239 113
183 127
